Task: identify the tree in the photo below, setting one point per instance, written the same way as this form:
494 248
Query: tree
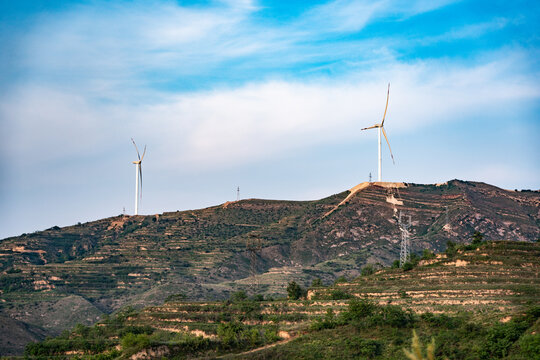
295 291
450 249
367 270
477 238
427 254
317 282
239 296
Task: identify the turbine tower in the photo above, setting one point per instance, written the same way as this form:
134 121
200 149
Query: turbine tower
381 129
138 175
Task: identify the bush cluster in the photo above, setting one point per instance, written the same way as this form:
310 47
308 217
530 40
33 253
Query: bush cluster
365 314
235 335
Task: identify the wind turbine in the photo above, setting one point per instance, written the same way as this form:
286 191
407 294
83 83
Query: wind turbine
138 174
381 129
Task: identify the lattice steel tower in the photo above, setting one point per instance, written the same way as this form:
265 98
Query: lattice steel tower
254 246
405 253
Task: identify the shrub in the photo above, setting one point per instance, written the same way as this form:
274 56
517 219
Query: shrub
529 346
339 294
230 333
340 280
135 330
395 264
450 249
257 297
500 337
365 348
133 343
238 335
407 266
326 322
175 297
239 296
317 282
295 291
427 254
477 238
360 309
395 316
367 270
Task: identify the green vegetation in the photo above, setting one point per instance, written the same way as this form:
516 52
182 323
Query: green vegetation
295 291
334 324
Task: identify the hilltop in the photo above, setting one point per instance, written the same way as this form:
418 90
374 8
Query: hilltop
56 278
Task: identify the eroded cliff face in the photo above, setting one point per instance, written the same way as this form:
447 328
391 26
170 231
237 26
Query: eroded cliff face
140 260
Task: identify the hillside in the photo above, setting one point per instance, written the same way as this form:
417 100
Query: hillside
480 303
56 278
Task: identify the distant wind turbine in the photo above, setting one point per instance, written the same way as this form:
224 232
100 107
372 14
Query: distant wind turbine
381 128
138 175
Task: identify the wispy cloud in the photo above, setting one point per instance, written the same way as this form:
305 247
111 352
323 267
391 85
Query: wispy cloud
353 15
232 126
468 31
105 48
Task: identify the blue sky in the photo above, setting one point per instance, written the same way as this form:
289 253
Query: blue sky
266 95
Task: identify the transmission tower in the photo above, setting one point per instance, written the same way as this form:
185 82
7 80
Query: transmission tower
238 193
369 177
254 246
405 253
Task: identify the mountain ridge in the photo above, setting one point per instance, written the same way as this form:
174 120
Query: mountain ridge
140 260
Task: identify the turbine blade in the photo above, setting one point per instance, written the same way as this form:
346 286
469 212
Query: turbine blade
386 107
388 142
144 152
371 127
136 148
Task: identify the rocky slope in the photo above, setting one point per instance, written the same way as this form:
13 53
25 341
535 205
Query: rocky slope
55 278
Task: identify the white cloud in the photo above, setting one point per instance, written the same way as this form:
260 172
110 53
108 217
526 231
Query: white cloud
353 15
231 126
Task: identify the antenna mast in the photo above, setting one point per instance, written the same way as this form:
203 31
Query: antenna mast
405 253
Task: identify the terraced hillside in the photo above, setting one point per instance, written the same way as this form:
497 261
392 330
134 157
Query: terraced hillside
467 301
56 278
500 276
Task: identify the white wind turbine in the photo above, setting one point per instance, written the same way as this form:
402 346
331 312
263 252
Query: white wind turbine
138 174
381 128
